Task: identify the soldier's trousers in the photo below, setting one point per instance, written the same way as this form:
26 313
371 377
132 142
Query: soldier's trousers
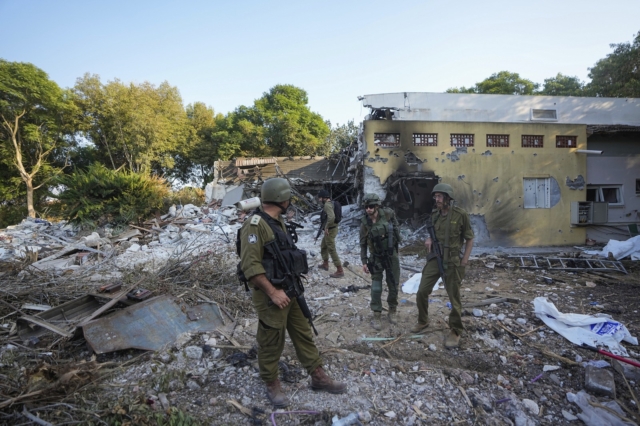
392 277
328 247
272 324
453 280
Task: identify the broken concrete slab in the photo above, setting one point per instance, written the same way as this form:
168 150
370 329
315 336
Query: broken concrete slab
150 325
600 381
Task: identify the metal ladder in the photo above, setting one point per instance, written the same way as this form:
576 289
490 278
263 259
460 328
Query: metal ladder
569 264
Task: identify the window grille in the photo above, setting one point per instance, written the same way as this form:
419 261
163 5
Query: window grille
566 141
425 139
461 139
498 141
386 139
532 141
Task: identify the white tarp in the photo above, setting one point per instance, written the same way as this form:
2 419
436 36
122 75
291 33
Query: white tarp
620 249
412 284
600 330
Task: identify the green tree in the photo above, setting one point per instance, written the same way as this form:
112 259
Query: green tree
139 126
618 74
562 85
340 137
501 83
36 122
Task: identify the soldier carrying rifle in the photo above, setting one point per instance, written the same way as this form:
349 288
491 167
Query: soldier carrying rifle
329 229
451 231
273 266
380 234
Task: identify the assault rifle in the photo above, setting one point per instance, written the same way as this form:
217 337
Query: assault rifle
437 250
291 284
321 230
386 252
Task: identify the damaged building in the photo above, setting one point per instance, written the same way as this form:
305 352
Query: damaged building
531 170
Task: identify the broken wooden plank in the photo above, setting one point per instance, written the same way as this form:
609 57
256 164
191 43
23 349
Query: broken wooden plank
44 324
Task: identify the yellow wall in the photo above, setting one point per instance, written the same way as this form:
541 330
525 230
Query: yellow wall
488 181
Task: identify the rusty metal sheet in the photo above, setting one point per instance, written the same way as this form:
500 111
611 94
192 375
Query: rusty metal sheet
150 325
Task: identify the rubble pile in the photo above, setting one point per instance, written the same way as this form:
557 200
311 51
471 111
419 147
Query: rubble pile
511 367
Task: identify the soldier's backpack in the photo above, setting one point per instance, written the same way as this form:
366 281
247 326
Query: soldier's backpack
337 210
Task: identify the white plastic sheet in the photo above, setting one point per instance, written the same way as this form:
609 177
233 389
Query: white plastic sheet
620 249
596 416
412 285
600 330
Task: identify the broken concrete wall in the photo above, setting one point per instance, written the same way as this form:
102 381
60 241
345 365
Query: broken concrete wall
489 181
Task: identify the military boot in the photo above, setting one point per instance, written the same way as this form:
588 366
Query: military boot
339 273
419 327
325 265
375 322
321 382
276 395
393 316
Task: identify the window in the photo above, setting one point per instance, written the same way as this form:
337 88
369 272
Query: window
566 141
425 139
498 141
461 139
532 141
544 115
611 194
537 193
386 139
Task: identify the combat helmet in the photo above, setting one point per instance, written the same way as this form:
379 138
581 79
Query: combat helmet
324 194
443 188
371 199
275 190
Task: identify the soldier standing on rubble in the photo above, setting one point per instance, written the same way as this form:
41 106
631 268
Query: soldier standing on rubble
276 312
453 230
328 245
380 233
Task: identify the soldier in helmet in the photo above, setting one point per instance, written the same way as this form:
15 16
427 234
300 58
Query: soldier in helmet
276 312
328 245
453 231
380 235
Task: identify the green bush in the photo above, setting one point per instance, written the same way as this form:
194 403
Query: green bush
186 195
100 195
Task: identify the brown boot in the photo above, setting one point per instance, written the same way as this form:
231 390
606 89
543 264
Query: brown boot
325 265
321 382
419 327
393 316
276 395
452 340
375 321
339 273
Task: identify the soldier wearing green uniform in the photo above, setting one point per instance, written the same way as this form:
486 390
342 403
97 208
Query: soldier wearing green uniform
453 231
328 245
278 313
380 234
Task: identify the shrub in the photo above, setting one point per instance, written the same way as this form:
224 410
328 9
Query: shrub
186 195
110 196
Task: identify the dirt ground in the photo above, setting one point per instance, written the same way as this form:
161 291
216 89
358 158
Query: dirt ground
394 377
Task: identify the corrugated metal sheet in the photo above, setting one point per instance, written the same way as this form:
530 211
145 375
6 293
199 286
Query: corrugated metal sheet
305 168
150 325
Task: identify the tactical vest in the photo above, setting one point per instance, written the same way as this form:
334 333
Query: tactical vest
378 235
293 263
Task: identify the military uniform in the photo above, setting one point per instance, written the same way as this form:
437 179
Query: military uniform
369 231
460 230
273 321
328 245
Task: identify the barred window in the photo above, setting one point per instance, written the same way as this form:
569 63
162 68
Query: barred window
425 139
498 141
386 139
461 139
532 141
566 141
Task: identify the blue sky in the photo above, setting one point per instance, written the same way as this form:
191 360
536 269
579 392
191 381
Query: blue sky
227 54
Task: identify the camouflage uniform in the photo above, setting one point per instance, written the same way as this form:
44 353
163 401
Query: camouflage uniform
368 230
328 245
273 321
454 273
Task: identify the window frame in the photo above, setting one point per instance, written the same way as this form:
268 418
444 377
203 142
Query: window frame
600 198
377 136
530 137
419 136
561 141
462 135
